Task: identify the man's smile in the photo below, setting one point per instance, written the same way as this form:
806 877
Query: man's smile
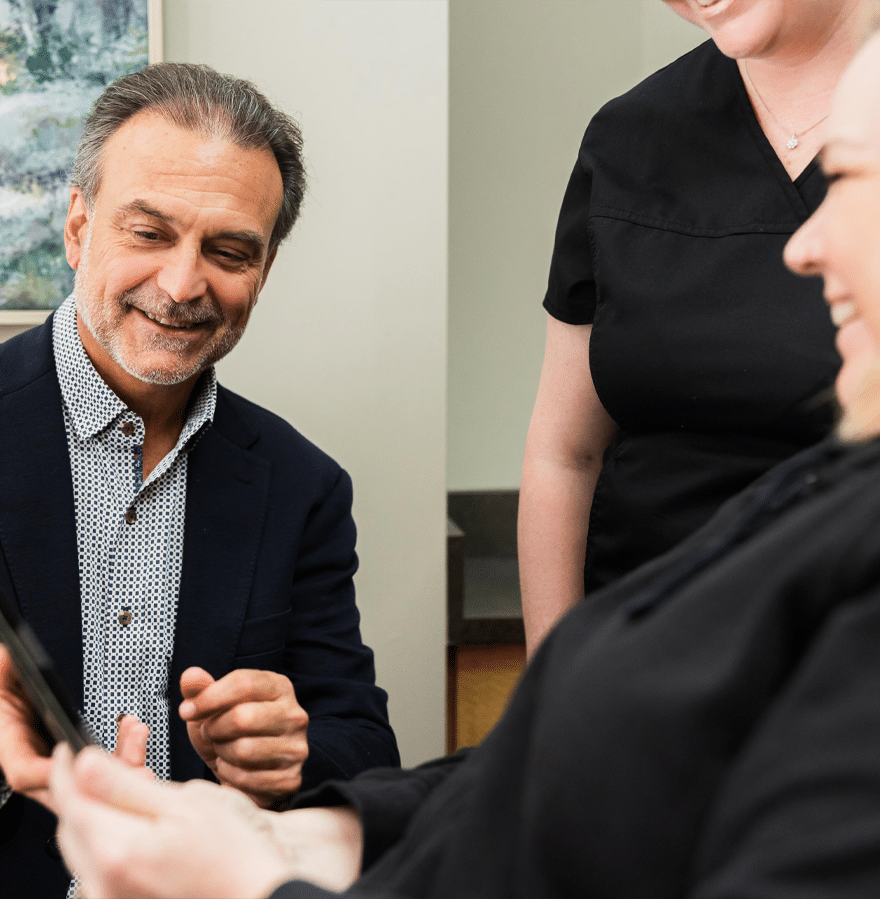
173 324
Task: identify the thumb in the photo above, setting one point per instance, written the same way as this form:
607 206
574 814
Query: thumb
131 741
193 681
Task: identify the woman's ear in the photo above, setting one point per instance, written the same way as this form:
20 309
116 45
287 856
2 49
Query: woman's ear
76 228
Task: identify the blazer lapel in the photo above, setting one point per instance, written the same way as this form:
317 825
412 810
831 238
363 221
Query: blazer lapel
37 518
226 496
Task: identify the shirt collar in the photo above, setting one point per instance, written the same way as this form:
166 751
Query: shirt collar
92 405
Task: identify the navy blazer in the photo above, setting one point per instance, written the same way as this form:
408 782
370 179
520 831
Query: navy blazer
266 582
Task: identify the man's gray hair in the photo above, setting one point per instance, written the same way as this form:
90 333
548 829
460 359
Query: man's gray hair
197 98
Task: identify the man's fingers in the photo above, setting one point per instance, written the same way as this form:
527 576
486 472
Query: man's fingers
131 741
31 779
23 752
263 753
193 681
8 671
21 748
239 686
255 719
5 663
263 787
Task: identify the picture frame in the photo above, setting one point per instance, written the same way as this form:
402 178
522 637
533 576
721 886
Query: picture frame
55 60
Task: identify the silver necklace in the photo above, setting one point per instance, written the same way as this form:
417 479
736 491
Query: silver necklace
794 140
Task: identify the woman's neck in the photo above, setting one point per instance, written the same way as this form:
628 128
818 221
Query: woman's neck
791 90
809 66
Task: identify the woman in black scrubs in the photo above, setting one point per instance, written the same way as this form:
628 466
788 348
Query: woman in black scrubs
682 360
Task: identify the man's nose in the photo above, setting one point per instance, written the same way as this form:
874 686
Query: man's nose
182 274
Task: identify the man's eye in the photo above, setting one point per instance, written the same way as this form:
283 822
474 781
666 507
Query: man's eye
146 235
230 256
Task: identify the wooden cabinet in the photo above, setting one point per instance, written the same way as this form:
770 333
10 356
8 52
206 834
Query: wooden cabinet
485 637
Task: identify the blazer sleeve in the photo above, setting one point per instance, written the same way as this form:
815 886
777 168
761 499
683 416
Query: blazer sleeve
331 668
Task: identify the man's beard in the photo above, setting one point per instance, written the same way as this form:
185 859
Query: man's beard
105 322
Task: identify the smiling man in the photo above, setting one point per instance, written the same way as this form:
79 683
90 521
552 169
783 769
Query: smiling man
210 545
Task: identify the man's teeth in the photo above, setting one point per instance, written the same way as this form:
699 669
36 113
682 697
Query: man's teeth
167 322
841 313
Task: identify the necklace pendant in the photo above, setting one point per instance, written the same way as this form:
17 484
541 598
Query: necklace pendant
792 142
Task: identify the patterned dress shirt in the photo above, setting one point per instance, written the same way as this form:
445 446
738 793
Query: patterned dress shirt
130 543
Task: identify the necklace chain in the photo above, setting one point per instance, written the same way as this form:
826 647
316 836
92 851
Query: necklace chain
794 140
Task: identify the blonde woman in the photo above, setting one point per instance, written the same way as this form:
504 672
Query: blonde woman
682 359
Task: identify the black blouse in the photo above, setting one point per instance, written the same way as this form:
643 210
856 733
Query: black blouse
713 359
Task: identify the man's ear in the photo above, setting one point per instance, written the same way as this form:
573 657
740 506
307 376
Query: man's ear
269 260
76 227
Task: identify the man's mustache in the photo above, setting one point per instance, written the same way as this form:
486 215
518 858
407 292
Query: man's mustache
159 305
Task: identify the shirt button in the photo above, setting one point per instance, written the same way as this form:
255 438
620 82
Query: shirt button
131 516
127 428
124 617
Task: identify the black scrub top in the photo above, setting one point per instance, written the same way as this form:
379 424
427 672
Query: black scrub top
713 359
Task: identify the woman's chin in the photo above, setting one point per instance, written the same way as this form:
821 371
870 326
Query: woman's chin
858 392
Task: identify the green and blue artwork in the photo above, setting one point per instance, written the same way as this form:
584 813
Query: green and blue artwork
56 56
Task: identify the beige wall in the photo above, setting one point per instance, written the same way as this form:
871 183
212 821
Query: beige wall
525 78
348 341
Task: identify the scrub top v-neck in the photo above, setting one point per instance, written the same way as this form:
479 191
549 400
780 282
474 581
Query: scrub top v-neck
713 359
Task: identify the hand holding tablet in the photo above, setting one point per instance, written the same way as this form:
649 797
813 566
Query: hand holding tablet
35 675
35 708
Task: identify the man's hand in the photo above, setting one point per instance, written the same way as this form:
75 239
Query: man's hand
24 755
131 742
125 835
249 729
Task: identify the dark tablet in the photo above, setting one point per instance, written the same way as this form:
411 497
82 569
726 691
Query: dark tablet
41 682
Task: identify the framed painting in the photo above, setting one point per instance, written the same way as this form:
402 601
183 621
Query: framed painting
56 57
